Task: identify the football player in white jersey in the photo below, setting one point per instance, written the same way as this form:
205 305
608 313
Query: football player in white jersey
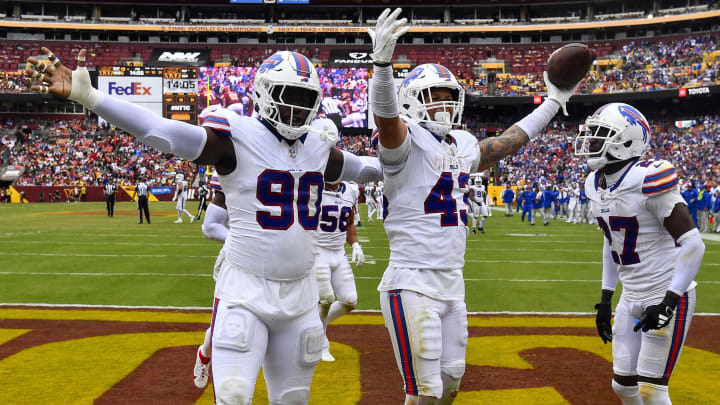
479 208
273 169
356 208
651 245
370 200
574 204
215 227
426 167
181 198
332 270
378 196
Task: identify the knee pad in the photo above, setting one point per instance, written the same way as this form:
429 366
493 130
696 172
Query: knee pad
298 396
453 369
325 290
234 391
625 392
349 303
654 394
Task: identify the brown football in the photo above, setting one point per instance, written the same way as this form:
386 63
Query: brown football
569 64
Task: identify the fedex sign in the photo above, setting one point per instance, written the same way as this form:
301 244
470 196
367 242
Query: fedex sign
135 88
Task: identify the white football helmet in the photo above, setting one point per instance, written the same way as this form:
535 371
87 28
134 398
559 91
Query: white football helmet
275 75
179 177
413 103
615 129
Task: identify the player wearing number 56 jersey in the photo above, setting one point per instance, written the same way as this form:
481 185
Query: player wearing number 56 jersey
426 168
273 171
651 245
332 270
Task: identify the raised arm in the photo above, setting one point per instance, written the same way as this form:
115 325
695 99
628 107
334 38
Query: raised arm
383 94
187 141
495 149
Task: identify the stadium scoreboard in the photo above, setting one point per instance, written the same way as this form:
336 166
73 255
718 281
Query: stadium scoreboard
131 71
180 93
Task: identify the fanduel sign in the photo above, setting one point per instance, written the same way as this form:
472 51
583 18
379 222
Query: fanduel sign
347 58
176 57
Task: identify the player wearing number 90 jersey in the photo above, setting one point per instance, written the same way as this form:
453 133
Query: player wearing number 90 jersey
651 245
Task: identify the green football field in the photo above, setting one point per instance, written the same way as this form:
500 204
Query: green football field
73 254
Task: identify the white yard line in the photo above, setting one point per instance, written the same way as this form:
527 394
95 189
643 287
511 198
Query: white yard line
357 311
101 255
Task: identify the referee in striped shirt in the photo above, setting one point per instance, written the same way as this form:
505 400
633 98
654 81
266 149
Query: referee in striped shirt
141 189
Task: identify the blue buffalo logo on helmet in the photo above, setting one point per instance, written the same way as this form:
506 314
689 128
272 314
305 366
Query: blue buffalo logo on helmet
270 63
634 117
443 72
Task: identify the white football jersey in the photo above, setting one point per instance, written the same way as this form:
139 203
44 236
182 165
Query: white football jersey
642 249
479 193
181 189
369 194
273 201
426 213
336 210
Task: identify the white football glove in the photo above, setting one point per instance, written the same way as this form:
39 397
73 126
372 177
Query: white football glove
357 254
327 134
557 95
387 31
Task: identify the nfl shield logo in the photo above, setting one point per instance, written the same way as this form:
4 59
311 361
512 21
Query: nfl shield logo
292 153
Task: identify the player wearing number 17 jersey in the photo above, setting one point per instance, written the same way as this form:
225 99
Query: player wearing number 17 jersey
651 245
426 167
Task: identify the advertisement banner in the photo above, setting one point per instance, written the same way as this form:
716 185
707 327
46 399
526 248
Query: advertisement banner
132 89
161 190
179 57
348 58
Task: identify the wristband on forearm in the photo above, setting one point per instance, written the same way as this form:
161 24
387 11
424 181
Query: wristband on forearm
534 122
383 94
606 296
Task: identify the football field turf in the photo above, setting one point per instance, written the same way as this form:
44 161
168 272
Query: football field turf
73 254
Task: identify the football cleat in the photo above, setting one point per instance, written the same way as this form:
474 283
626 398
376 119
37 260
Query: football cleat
200 373
178 221
326 356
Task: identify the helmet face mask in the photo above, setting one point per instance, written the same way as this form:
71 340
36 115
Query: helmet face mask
423 97
287 93
615 132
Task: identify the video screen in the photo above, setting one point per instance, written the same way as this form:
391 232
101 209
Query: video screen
344 92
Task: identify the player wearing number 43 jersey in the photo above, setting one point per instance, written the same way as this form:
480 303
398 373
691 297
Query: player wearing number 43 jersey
426 167
273 171
651 245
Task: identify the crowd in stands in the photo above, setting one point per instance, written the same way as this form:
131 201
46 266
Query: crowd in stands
634 66
344 91
694 150
79 152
